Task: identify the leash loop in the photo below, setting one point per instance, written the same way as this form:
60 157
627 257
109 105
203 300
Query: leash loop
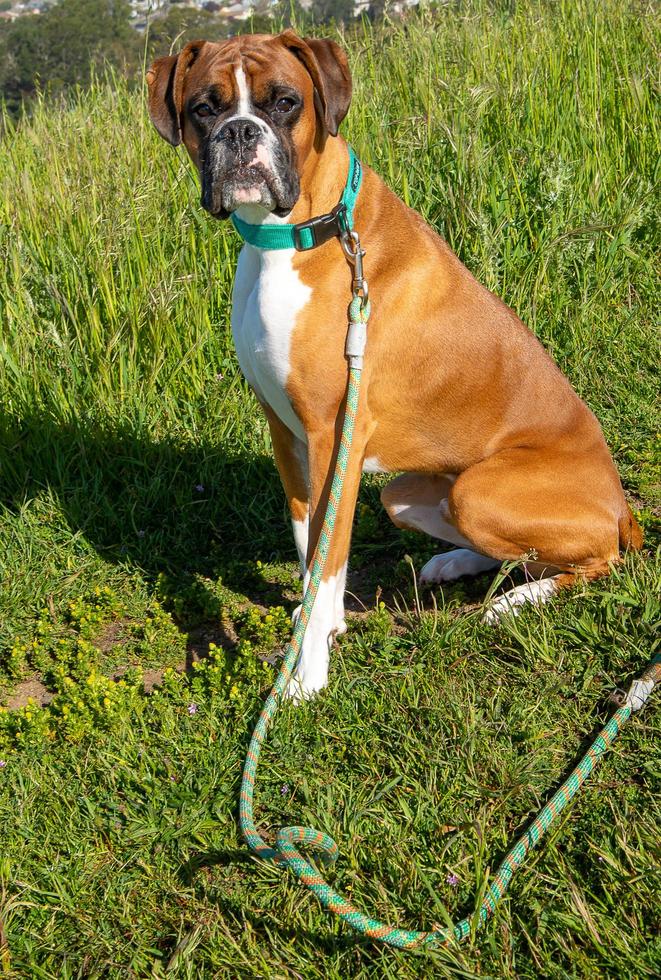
288 853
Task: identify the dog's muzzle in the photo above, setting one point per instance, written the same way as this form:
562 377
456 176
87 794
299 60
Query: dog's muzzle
244 163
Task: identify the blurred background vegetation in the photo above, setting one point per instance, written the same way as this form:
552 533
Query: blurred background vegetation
71 40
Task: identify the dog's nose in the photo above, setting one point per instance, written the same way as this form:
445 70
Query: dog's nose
240 134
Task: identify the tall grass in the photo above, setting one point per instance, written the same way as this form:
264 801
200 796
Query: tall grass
525 133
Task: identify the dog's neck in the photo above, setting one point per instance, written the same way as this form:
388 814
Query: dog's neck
322 180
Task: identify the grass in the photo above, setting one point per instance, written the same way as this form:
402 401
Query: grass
143 530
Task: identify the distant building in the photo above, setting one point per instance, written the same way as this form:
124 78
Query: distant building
229 10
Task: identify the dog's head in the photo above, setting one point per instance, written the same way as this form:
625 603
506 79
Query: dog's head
249 111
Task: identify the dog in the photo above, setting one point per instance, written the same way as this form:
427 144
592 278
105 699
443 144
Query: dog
497 454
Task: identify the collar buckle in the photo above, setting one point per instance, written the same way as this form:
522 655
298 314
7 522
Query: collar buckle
317 231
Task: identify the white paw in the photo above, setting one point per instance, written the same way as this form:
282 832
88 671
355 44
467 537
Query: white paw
303 686
509 604
341 627
453 564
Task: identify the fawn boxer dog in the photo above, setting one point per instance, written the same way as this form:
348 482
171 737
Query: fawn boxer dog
496 453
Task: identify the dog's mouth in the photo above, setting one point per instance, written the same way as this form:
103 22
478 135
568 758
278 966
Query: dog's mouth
224 193
248 183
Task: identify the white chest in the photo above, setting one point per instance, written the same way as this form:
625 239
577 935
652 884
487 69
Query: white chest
268 296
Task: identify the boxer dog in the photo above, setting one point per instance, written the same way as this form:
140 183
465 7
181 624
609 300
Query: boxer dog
496 453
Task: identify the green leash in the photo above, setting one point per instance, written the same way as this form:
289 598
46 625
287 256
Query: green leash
290 839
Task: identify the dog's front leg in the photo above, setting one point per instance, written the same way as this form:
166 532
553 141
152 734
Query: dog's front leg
291 458
327 617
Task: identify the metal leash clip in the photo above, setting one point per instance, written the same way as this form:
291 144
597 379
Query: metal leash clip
355 253
359 308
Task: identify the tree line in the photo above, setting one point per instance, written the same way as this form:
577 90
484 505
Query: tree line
73 39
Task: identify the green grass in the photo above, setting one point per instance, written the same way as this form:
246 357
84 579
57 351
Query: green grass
526 134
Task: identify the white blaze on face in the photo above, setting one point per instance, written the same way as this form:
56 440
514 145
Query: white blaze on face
244 110
248 195
244 107
252 195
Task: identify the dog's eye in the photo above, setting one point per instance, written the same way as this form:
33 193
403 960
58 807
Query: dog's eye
203 109
284 105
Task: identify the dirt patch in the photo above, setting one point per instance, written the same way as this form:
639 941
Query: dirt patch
112 635
200 639
152 679
638 504
30 690
363 595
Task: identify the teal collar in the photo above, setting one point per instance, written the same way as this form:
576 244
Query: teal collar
316 231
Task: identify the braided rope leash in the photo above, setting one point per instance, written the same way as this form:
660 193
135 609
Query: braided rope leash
290 839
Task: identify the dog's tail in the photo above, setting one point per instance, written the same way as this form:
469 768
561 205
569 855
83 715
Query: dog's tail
631 536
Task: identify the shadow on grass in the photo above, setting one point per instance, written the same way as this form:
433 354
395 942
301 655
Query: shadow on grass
179 507
164 506
204 512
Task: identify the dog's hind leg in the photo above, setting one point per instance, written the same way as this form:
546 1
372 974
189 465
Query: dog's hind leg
563 511
419 502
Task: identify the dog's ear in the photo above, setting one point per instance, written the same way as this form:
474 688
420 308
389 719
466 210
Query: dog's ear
165 83
328 67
